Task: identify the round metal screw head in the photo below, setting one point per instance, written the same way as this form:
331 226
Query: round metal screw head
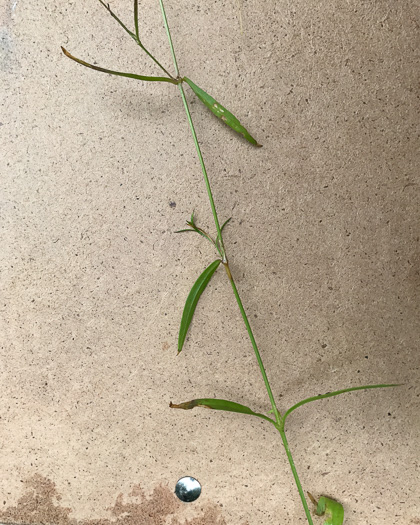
188 489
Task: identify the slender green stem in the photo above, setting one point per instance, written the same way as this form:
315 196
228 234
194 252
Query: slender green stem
257 353
279 419
219 232
135 36
154 59
117 19
171 45
295 475
136 18
203 167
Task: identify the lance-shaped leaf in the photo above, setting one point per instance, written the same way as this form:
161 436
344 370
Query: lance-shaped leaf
119 73
220 404
220 111
334 512
336 393
224 224
192 300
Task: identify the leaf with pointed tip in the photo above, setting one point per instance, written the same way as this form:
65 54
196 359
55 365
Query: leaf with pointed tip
221 112
334 512
118 73
204 234
186 230
226 222
195 229
192 300
336 393
220 404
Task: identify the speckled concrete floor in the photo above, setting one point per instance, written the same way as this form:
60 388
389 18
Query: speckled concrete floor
97 173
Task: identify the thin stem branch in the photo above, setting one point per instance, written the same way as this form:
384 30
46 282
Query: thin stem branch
117 19
154 59
295 475
135 36
136 18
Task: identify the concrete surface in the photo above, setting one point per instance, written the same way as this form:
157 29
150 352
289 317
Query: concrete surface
97 172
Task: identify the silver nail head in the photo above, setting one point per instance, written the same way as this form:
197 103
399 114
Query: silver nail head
188 489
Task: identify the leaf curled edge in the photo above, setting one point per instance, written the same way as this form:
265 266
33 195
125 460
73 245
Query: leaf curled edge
192 300
334 512
221 112
220 404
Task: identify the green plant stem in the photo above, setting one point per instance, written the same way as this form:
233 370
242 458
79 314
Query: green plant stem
219 231
154 59
203 167
194 134
136 19
171 45
135 36
295 475
279 419
255 347
235 290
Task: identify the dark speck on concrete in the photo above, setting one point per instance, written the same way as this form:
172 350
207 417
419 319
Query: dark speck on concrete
172 204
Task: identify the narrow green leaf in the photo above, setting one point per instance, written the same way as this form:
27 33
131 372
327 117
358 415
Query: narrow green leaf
336 393
205 235
118 73
192 300
195 229
334 512
220 404
226 222
221 112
